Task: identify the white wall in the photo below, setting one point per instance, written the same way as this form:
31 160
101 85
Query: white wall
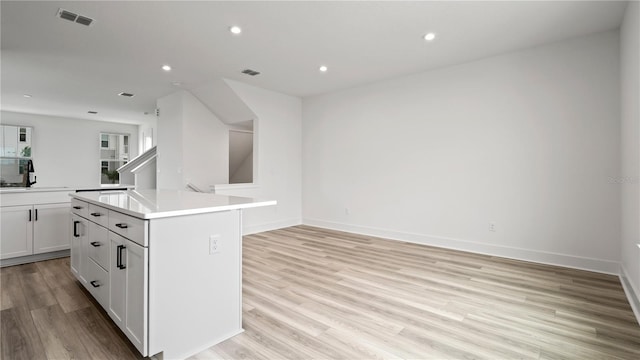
66 152
278 177
206 158
170 142
630 179
528 140
149 129
193 144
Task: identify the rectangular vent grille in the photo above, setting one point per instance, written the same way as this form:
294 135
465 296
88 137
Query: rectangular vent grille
250 72
67 15
84 20
79 19
126 94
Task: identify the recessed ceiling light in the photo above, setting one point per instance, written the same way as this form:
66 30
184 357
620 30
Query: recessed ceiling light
176 83
92 112
430 36
236 30
166 67
27 95
323 68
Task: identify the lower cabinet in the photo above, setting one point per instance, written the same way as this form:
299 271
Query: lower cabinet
115 271
16 231
79 251
98 282
50 231
128 274
33 229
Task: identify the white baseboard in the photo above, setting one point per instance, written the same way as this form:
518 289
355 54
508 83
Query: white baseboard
633 295
576 262
252 229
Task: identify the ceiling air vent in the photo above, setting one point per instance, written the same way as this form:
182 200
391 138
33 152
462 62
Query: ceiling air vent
68 15
126 94
84 20
250 72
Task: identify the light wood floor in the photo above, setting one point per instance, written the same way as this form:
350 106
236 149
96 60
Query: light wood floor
310 293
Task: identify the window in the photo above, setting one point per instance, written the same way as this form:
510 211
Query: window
104 141
23 135
114 152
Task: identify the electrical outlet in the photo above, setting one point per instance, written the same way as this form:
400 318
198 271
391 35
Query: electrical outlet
492 226
214 245
347 211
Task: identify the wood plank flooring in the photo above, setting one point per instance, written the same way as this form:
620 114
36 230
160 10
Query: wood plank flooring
311 293
46 314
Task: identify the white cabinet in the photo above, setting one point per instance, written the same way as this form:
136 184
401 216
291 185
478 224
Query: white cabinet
16 233
117 280
50 230
99 245
97 282
113 268
34 229
79 241
128 297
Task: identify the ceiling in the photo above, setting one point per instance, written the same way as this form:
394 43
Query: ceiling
70 69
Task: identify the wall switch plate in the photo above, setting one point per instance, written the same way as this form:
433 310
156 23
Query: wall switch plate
214 244
492 226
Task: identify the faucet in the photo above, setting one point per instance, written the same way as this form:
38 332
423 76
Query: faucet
26 177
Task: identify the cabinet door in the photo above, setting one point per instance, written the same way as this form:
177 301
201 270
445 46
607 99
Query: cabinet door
50 229
136 295
117 279
16 234
76 249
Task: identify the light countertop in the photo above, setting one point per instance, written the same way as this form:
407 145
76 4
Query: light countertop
18 190
152 204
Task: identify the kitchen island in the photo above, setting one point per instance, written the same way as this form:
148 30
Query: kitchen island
165 265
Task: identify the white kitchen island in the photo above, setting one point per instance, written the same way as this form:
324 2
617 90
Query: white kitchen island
165 265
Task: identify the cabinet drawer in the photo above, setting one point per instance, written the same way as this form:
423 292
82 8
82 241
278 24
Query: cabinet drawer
99 215
98 283
80 208
99 244
131 228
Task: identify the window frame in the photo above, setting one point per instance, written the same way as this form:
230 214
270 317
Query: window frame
117 160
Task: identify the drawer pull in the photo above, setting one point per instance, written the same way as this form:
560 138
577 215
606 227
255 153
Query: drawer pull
119 257
95 244
75 229
96 214
94 283
122 225
77 207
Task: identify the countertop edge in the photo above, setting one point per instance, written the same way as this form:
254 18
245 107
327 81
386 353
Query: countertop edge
20 190
206 210
174 213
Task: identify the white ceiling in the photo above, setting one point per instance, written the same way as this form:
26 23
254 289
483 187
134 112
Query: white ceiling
71 69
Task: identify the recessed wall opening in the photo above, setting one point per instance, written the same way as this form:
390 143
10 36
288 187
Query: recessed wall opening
241 149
